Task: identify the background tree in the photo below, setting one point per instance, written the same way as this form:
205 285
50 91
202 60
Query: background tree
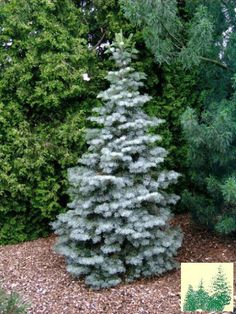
202 33
118 225
174 30
211 134
212 159
43 105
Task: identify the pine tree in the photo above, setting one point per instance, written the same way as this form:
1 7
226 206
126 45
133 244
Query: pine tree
190 300
179 31
211 159
210 132
118 225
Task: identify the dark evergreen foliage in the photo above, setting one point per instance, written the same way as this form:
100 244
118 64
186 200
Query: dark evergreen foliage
212 161
46 47
43 104
210 132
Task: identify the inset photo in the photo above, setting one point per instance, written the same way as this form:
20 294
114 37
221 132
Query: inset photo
206 287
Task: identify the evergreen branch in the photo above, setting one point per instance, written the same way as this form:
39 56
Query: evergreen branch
178 42
216 62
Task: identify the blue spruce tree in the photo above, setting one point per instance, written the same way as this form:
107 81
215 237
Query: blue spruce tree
118 226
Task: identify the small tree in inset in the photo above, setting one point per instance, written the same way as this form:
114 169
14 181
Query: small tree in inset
221 292
190 300
201 297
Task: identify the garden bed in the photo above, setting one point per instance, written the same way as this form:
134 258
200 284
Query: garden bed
38 274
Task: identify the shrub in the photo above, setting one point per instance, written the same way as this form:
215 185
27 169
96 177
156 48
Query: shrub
43 104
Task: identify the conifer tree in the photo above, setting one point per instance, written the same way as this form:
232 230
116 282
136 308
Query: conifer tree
211 158
118 226
190 300
201 297
221 293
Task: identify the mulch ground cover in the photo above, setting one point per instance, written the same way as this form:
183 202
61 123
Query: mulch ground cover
35 271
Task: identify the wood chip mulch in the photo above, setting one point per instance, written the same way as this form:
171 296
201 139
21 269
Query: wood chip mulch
38 274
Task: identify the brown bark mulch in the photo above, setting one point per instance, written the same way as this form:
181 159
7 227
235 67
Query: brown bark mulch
38 274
